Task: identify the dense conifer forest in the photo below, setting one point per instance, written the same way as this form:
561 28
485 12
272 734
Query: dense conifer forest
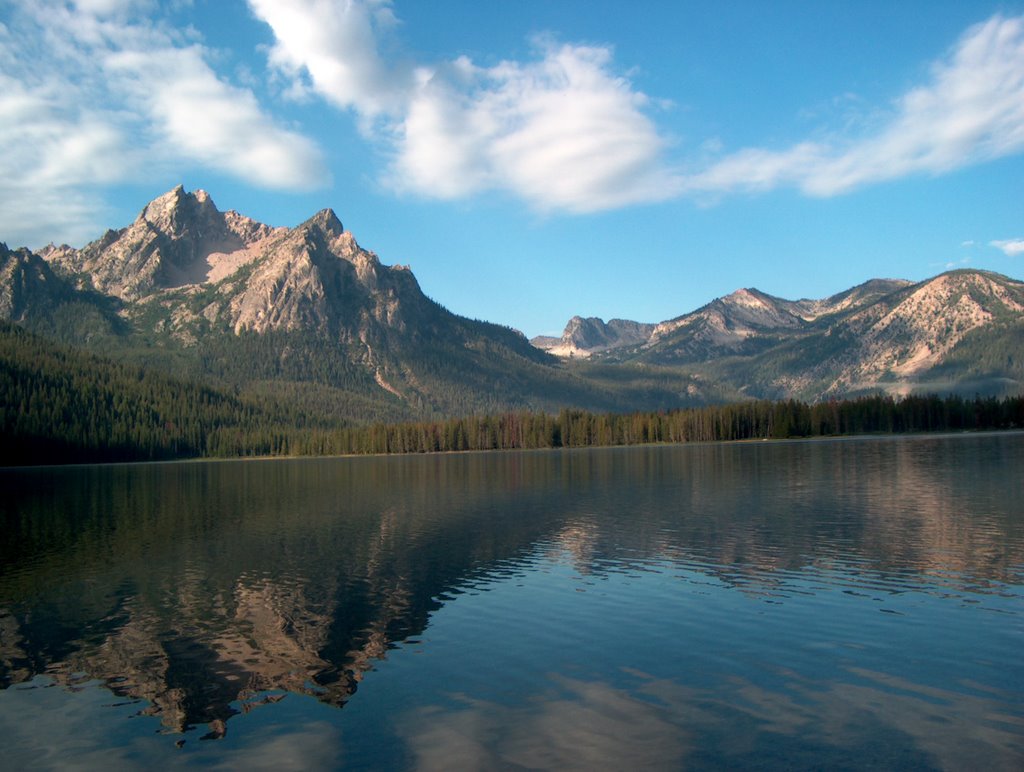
61 405
738 421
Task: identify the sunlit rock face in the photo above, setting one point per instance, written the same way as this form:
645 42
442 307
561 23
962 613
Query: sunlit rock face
27 285
258 278
952 331
583 337
178 239
915 329
185 268
186 276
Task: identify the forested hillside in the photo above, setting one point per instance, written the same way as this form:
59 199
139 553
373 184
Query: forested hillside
59 405
959 332
195 332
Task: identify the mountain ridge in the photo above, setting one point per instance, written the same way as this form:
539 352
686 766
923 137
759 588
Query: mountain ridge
221 296
306 310
893 332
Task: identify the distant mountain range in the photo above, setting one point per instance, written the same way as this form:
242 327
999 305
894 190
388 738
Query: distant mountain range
307 316
959 331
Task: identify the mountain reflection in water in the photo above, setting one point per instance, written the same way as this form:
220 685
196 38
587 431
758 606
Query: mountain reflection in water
204 590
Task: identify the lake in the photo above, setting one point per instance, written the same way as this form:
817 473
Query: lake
840 604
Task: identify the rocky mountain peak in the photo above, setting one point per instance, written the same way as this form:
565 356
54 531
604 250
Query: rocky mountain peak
752 308
178 239
849 300
184 273
178 212
26 284
585 336
327 221
748 297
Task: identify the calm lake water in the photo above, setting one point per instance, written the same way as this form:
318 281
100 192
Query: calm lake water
836 604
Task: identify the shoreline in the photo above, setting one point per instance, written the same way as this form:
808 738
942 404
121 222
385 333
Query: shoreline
937 434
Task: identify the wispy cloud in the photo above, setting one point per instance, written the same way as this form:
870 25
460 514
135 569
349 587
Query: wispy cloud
203 118
971 111
1010 247
565 131
561 131
100 92
94 94
951 264
331 48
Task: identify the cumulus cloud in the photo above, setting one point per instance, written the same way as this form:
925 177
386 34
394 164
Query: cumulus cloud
1010 247
971 111
331 47
92 94
106 91
210 121
562 131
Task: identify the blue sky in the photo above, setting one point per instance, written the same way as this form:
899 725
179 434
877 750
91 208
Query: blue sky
535 160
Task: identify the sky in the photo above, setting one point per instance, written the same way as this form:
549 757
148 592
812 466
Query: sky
535 160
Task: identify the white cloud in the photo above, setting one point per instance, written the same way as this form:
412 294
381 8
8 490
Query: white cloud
92 95
562 131
971 111
93 92
213 122
1011 247
335 44
111 7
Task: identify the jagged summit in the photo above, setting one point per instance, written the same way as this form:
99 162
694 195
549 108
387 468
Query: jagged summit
314 276
177 204
884 331
178 239
327 221
308 304
186 272
583 337
27 286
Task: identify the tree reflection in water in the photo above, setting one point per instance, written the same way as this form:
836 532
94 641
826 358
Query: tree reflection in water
203 590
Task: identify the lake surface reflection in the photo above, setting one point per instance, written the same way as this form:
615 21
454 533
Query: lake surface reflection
842 604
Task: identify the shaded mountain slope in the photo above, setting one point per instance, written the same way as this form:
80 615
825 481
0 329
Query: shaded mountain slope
307 315
217 295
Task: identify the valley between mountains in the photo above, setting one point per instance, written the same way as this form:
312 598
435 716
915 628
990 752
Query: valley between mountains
307 323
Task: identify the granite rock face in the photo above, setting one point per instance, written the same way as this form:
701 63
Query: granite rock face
961 328
185 274
179 239
27 285
247 275
583 337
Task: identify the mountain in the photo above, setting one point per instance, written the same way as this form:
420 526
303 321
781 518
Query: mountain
910 337
301 314
959 331
583 337
27 285
179 239
316 331
724 326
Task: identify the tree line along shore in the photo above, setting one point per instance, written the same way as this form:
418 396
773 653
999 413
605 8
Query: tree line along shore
59 405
